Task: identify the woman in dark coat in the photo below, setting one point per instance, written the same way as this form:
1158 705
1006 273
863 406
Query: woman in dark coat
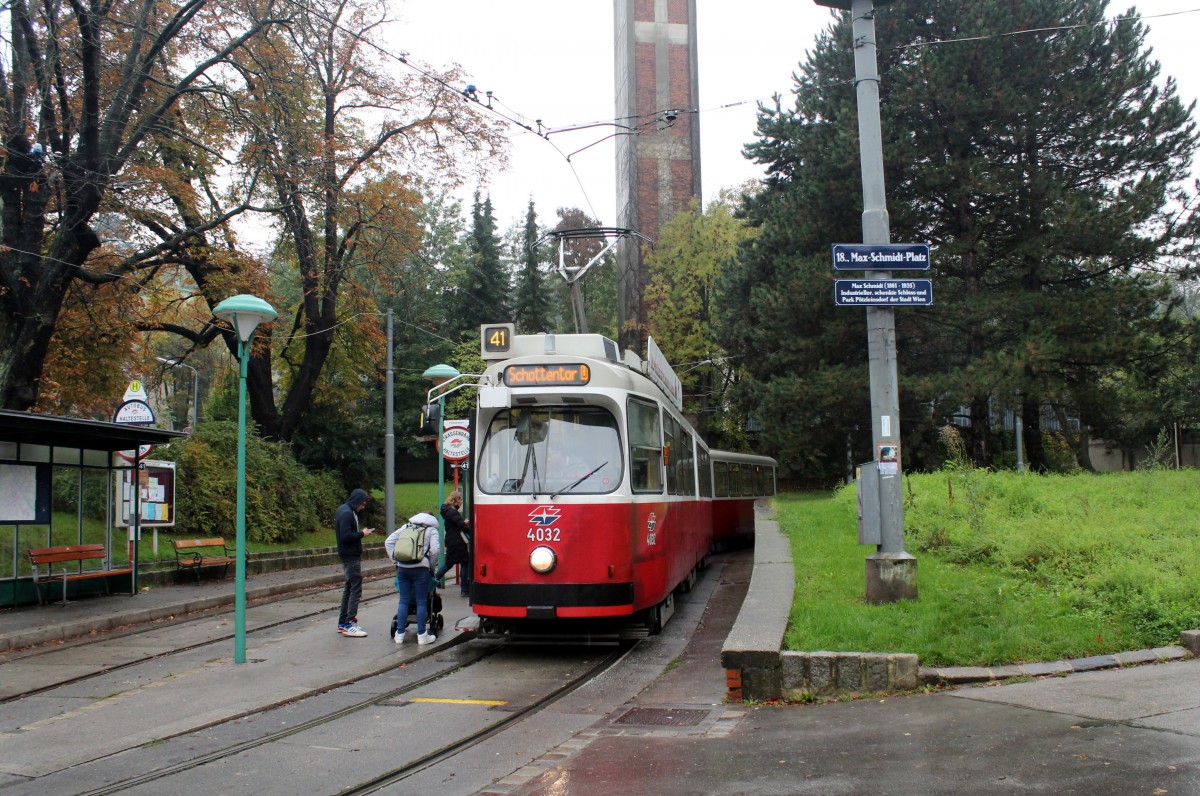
458 538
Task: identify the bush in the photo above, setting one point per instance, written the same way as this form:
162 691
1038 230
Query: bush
283 499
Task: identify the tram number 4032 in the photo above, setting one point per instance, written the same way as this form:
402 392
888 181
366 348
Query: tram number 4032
543 535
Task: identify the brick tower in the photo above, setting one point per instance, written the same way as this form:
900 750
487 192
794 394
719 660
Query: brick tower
658 169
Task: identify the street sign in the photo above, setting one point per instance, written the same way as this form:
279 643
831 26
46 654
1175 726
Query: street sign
881 256
456 443
141 453
883 292
134 413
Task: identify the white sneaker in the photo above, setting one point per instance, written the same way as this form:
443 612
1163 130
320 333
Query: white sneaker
426 638
355 631
399 637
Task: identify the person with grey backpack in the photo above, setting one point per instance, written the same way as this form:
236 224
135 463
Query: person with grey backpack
414 548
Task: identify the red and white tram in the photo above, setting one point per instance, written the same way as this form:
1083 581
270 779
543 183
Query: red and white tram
595 500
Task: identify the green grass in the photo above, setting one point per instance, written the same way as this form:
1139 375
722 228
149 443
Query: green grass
1011 568
410 499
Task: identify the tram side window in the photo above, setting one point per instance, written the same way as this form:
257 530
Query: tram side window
706 482
645 447
674 453
735 480
687 464
750 482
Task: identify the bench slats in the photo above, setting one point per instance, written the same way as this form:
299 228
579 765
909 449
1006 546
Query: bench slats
46 556
74 552
189 554
191 543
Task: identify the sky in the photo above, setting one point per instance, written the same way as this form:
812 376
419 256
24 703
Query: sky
553 60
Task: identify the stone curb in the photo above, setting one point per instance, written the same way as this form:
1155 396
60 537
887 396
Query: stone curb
750 654
963 675
166 573
83 627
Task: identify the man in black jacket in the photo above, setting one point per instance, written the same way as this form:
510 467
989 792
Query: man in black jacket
349 545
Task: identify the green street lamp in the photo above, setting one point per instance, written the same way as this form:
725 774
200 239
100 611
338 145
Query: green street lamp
244 313
439 375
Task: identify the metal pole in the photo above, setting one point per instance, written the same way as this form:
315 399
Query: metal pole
891 572
1019 417
195 398
137 520
577 305
441 480
239 631
389 440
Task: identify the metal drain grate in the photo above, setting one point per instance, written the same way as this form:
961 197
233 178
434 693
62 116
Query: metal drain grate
663 717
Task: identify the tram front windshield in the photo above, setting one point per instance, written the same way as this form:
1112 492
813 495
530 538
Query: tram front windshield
551 451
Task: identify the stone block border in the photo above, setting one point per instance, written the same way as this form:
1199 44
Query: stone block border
823 673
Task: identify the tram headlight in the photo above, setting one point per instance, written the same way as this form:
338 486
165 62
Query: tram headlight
542 560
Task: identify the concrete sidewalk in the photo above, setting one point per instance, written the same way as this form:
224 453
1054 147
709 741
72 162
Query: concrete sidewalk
1117 732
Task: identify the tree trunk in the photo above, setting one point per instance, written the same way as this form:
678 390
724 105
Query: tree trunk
1035 448
981 431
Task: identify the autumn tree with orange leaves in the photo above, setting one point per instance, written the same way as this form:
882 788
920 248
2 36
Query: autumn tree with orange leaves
340 129
86 86
303 121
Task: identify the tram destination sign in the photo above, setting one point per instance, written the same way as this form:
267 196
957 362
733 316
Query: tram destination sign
573 375
883 292
881 256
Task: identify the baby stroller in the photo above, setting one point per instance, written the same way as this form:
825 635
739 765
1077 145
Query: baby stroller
434 622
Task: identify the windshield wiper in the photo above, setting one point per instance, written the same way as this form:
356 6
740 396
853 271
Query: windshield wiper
577 482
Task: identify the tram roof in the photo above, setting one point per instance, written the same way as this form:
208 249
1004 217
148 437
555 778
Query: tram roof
69 432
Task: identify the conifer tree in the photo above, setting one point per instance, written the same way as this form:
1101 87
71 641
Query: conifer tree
531 310
1036 146
481 293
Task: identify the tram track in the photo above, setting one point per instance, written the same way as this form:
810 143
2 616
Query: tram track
448 751
220 758
480 653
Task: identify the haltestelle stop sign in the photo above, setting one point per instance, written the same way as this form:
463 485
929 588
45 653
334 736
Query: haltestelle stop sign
456 444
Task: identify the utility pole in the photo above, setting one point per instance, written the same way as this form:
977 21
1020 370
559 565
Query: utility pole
389 439
891 573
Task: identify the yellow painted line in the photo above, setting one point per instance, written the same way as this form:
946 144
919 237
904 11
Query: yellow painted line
493 702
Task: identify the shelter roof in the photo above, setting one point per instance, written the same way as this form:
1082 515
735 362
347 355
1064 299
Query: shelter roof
68 432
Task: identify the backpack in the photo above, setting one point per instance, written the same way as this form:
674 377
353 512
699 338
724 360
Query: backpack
410 544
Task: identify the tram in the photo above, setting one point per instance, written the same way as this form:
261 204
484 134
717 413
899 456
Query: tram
595 500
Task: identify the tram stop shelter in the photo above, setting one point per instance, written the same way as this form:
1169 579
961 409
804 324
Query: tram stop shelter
60 481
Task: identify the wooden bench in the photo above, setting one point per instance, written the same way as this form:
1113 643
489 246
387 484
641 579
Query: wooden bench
195 554
47 557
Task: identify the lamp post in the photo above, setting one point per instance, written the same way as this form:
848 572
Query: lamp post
389 439
439 375
175 363
244 313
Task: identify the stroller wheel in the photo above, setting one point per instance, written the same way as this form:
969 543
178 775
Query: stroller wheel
395 624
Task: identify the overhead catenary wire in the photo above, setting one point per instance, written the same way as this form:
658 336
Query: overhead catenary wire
641 121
